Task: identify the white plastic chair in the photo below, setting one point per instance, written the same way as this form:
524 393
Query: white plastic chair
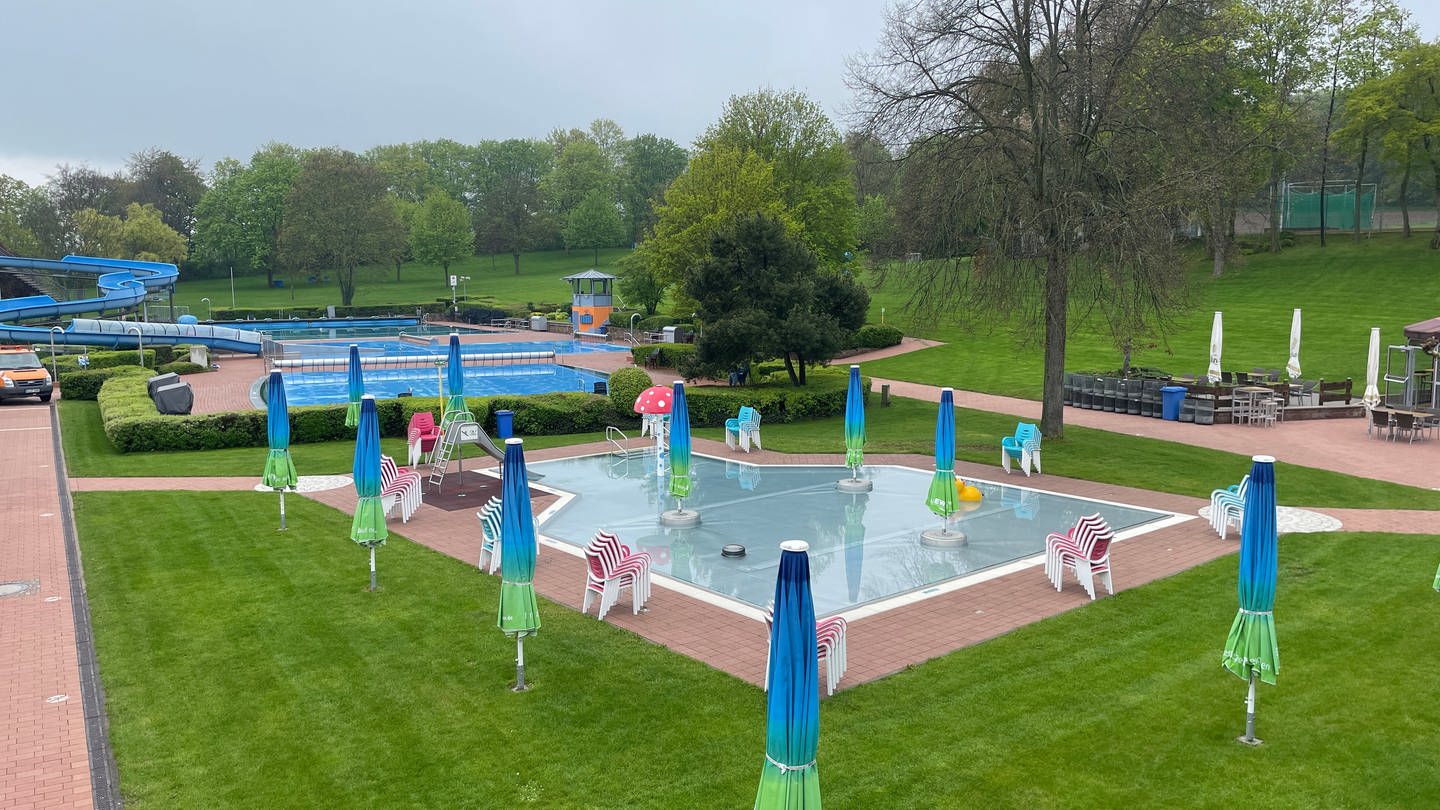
1228 506
489 534
743 429
830 647
398 485
607 580
1023 447
1085 549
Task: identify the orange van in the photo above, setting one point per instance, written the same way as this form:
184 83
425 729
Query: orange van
22 375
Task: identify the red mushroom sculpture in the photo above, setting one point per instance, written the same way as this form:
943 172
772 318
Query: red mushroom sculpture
654 404
654 400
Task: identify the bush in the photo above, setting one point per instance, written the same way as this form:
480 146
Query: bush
625 387
877 336
620 318
85 385
824 396
484 315
180 367
655 323
671 354
111 359
553 414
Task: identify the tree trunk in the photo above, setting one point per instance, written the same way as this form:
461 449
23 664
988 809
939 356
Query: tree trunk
1218 237
492 262
1275 204
347 285
1359 183
1405 196
1435 179
397 271
1325 144
596 260
269 274
516 256
790 369
802 369
1057 293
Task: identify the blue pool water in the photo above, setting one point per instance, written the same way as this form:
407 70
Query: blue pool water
441 345
328 387
282 332
863 548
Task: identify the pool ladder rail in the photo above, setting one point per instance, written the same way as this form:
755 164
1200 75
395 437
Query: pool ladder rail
620 442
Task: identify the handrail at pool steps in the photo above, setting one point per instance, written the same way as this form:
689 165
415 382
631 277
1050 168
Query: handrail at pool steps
340 362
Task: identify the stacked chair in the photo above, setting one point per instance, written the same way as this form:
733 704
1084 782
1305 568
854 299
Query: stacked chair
829 647
612 567
490 535
1227 505
743 429
1085 549
399 485
422 436
1023 447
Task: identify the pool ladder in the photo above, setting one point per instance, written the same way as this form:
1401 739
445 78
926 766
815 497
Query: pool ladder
618 440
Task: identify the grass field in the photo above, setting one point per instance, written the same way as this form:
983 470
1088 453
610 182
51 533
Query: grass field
245 667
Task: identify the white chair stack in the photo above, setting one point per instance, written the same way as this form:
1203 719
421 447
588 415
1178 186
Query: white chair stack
830 647
398 485
1023 447
610 567
490 545
1227 506
1085 549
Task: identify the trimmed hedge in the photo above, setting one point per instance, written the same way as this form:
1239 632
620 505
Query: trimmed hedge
111 359
877 336
311 313
625 387
671 354
85 385
180 367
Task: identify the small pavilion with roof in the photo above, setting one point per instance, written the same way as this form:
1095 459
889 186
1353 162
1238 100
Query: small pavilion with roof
591 300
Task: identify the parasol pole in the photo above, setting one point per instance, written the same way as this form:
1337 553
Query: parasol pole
520 663
372 567
282 510
1249 738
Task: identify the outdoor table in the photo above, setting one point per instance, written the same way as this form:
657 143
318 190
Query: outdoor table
1245 398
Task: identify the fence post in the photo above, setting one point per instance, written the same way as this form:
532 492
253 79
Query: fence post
885 395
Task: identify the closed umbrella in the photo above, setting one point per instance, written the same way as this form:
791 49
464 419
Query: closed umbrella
1217 335
279 472
354 387
1251 651
368 527
942 498
1372 371
679 446
854 424
454 380
519 614
790 778
1292 366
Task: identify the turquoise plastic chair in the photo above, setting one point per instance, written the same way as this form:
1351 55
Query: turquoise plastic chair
1023 447
743 429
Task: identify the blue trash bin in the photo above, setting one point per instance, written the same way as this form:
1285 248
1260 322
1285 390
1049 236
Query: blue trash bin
1171 398
505 424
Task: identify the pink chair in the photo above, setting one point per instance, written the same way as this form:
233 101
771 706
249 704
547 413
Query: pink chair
618 556
1085 549
830 647
607 574
398 485
422 435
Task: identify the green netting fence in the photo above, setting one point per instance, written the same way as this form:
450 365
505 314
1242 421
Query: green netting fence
1301 209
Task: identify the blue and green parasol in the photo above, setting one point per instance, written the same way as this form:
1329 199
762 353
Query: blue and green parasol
279 472
368 527
1251 651
790 778
454 379
519 614
942 498
854 423
354 387
679 445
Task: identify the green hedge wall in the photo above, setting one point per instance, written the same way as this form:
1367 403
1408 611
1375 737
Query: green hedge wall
877 336
127 357
671 354
180 367
85 385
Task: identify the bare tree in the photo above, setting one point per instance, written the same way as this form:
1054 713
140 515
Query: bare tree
1049 119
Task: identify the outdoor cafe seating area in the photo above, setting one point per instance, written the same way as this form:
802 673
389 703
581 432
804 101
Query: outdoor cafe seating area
1259 397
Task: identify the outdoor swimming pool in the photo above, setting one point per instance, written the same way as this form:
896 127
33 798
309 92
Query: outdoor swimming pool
279 331
440 345
863 548
328 387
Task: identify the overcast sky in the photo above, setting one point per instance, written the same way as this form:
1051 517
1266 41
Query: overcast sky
92 81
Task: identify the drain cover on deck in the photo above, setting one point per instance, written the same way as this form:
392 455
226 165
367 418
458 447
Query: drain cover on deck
23 587
733 550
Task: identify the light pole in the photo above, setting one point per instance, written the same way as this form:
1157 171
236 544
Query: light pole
139 343
232 286
633 316
54 367
453 308
465 281
207 309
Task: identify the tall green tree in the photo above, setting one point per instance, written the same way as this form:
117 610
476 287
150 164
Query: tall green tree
1039 110
15 197
648 165
140 234
405 213
440 233
168 182
338 216
761 294
580 169
510 215
594 224
406 172
238 221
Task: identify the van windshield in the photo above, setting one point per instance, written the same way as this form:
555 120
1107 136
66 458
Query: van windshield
13 361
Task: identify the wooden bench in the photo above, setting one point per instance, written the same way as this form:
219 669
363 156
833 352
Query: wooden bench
1334 391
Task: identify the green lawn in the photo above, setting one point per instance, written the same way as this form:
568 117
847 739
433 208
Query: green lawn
1343 289
540 282
905 427
247 668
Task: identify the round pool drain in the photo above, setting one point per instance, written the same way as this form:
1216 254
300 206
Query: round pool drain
733 550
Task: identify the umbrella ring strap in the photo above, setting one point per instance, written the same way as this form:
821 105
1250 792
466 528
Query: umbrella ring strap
1245 612
787 768
514 582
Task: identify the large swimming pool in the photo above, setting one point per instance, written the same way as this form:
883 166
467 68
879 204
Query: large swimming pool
863 548
440 345
329 387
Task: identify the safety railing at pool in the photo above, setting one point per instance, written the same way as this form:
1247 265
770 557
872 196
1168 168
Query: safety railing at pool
340 362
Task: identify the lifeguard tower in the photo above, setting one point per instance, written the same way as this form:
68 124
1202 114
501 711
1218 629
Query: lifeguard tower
591 299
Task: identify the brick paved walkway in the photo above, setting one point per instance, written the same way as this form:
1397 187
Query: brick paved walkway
43 756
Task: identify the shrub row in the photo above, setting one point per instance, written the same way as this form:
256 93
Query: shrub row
671 354
125 357
877 336
85 385
180 367
309 313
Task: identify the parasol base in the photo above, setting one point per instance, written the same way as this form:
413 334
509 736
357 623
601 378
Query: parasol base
942 538
1251 741
855 485
523 687
680 518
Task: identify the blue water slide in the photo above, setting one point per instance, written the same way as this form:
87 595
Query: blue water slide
122 284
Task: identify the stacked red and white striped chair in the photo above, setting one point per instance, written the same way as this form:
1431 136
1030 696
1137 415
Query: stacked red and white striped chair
1085 549
1227 506
423 435
610 567
829 647
489 535
399 485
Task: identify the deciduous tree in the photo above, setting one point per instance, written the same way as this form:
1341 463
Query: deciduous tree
170 183
594 224
238 220
440 232
509 215
649 165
